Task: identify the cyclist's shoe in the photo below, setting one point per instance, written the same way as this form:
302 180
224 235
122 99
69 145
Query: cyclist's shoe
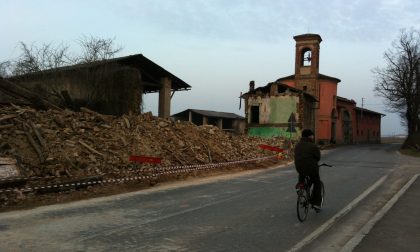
316 208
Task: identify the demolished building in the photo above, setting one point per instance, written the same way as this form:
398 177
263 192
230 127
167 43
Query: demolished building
334 119
223 120
115 86
278 110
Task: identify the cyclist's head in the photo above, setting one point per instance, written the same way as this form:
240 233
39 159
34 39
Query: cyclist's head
307 133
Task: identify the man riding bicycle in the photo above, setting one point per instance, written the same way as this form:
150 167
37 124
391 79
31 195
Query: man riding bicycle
307 155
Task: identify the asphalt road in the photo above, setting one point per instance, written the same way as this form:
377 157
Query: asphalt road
255 211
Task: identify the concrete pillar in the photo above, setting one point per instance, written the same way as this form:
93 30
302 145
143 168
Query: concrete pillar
165 98
220 123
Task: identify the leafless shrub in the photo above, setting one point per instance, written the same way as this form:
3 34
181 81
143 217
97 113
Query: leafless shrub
5 69
34 58
95 49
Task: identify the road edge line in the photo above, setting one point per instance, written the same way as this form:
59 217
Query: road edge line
324 227
353 242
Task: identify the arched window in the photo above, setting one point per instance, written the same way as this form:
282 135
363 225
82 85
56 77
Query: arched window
347 130
306 57
334 114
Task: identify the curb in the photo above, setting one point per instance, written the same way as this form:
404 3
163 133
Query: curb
364 231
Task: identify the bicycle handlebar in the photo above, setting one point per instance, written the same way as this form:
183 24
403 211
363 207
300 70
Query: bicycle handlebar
324 164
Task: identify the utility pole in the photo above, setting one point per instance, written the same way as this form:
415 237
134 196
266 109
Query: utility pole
363 102
418 95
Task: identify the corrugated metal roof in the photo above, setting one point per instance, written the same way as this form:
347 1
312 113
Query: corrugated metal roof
150 71
210 113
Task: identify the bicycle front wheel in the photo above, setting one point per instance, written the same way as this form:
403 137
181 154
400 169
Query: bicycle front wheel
302 207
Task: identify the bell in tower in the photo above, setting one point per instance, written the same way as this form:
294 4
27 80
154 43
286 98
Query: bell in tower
307 63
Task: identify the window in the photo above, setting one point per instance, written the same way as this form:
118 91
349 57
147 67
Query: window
281 89
255 114
291 123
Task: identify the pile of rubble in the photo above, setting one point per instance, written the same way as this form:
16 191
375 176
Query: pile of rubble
63 144
67 143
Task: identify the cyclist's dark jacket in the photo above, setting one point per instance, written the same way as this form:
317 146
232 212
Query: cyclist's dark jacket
307 155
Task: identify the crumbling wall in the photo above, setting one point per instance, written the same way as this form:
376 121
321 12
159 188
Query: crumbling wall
275 109
108 89
279 116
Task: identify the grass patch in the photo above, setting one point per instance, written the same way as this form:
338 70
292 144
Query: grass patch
410 152
392 140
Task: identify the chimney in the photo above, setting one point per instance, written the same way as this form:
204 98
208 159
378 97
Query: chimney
251 86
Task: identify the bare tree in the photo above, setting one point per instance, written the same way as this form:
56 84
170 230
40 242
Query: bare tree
34 58
5 69
95 48
398 82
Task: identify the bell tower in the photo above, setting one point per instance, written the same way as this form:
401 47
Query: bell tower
307 63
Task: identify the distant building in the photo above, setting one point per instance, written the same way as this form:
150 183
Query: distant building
355 124
278 110
223 120
115 86
333 119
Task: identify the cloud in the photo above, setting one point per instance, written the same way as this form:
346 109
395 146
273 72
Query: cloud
270 20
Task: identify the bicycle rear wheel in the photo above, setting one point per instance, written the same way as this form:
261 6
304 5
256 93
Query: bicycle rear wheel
302 206
322 194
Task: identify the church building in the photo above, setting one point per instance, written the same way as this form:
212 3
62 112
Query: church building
308 99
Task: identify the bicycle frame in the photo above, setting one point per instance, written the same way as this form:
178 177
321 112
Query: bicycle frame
304 195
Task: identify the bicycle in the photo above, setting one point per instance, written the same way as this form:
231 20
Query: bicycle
304 192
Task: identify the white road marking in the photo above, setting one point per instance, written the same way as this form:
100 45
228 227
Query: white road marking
351 244
324 227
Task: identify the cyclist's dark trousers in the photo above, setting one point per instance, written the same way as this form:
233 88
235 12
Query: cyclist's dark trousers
316 194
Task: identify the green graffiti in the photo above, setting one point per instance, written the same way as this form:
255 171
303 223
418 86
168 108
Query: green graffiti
269 132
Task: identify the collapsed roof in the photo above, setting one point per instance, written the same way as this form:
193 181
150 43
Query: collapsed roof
151 73
210 113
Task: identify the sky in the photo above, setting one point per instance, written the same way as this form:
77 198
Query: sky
219 46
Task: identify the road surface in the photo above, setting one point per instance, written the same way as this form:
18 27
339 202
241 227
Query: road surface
251 211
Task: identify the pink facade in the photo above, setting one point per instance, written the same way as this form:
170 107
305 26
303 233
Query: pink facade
338 120
346 122
327 109
368 126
